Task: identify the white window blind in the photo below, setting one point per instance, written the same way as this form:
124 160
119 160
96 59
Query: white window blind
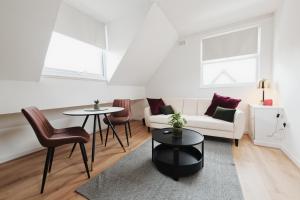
233 44
230 59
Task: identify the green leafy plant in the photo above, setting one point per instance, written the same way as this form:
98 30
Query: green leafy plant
96 105
177 121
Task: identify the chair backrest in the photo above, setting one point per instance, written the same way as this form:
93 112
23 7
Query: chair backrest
124 103
39 123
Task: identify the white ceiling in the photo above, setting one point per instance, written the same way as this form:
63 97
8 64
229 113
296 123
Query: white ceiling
109 10
187 16
190 16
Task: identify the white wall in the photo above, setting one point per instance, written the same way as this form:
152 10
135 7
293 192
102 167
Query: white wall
179 74
26 28
146 52
50 93
120 34
287 72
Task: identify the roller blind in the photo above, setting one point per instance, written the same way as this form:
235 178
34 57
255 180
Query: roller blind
239 43
77 25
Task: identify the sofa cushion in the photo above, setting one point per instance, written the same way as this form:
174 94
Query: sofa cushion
176 104
155 105
225 114
222 101
166 110
160 119
207 122
203 104
190 107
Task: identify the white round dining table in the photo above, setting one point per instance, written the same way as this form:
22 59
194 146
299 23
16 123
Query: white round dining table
87 112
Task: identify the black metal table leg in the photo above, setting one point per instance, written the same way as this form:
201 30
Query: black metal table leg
114 132
176 161
152 148
83 125
94 142
202 153
100 129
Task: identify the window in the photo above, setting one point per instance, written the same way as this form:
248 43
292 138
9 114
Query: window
69 57
230 59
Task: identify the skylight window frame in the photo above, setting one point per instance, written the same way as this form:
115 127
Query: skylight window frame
69 74
257 56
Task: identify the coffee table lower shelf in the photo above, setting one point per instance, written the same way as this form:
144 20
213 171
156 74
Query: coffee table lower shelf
177 162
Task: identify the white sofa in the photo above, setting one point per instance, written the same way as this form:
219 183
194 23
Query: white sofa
193 111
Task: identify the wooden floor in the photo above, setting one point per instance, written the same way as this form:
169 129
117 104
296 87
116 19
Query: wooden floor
264 173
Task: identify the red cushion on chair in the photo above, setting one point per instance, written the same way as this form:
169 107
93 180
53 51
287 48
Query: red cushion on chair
222 101
155 105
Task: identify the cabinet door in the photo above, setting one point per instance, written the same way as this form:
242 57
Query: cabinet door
265 122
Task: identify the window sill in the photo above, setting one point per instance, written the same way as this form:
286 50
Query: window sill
64 74
228 86
72 77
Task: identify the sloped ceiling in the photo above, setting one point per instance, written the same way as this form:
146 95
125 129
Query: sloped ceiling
191 16
26 28
150 46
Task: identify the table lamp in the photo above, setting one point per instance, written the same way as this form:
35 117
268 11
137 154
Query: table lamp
263 84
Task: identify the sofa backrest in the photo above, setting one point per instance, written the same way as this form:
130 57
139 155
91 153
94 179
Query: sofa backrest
188 106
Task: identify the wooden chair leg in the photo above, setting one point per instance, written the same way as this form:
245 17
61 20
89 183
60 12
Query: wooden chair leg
84 158
126 132
51 159
129 128
107 130
46 167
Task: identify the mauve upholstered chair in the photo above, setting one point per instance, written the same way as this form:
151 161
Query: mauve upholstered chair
120 118
51 138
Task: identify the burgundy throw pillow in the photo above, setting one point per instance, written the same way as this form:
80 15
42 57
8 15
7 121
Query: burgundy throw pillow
155 105
225 102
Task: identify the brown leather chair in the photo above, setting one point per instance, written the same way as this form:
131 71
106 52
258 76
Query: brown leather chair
50 137
120 118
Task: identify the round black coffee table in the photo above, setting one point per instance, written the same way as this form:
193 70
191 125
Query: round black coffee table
177 157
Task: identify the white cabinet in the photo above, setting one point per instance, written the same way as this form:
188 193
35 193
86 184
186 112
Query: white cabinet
267 125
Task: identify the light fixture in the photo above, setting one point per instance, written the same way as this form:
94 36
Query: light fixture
263 84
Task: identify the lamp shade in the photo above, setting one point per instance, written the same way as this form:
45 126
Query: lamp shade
264 83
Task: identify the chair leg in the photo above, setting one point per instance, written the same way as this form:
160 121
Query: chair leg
46 167
73 148
236 141
51 159
84 158
126 132
107 130
113 132
129 128
100 129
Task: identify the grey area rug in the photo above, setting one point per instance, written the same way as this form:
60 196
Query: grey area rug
135 178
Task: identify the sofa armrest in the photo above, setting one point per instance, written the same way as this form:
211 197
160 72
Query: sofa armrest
147 114
239 124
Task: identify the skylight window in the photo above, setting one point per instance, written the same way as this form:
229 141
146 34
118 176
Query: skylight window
230 59
70 57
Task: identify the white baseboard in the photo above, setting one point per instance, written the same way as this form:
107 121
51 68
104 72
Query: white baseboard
18 155
290 156
267 144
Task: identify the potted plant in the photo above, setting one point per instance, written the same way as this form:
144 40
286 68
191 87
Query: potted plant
177 122
96 104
